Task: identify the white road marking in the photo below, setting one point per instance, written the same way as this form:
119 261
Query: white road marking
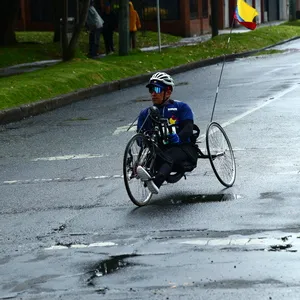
262 242
57 248
44 180
80 246
124 129
290 242
102 244
296 172
69 157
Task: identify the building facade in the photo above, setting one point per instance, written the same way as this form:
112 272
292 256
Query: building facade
177 17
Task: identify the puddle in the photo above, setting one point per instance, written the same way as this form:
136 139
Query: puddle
271 195
109 266
146 99
77 119
182 83
60 228
189 199
281 247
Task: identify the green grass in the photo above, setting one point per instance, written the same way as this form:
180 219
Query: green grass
268 52
82 72
35 46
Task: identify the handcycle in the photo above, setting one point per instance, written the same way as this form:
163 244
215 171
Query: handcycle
143 148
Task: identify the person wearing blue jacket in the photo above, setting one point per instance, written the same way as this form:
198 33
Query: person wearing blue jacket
180 146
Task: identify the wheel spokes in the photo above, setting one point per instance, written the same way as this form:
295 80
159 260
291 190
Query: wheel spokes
221 154
137 153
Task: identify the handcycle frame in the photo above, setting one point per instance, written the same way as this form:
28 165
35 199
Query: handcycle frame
143 148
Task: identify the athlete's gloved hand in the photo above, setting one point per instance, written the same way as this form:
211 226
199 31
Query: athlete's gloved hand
174 138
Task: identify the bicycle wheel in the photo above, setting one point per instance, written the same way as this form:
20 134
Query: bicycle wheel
138 152
220 154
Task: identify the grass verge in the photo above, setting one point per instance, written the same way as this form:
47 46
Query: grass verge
83 73
35 46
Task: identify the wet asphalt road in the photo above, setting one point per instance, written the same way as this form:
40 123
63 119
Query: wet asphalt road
69 231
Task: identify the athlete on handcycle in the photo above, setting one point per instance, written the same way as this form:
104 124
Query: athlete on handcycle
180 147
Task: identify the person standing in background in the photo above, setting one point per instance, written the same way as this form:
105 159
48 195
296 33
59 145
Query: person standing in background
109 26
94 24
134 25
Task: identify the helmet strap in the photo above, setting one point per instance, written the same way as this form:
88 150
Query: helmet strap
164 98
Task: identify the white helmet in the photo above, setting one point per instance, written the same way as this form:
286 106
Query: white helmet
161 77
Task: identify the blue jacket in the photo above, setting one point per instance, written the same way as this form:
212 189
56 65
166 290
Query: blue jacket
176 112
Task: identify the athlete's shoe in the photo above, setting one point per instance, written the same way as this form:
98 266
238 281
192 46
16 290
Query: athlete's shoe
145 176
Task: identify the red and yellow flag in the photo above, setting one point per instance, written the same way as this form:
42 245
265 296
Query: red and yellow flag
245 14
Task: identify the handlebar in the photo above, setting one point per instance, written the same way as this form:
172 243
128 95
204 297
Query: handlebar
161 125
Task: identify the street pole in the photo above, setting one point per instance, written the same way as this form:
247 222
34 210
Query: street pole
123 28
292 10
158 24
214 17
64 37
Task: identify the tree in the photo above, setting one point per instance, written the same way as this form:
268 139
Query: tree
292 16
214 17
69 48
9 10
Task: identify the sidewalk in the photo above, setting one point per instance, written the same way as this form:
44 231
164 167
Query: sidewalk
190 41
28 67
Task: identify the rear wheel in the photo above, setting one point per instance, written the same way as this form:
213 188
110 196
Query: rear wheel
138 152
220 154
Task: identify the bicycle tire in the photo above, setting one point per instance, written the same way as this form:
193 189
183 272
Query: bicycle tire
138 151
220 154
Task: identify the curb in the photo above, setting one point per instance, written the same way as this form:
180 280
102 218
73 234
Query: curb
33 109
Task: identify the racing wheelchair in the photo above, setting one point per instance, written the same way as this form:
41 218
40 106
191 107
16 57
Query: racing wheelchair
143 148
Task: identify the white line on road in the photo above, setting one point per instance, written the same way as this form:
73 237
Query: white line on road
69 157
124 129
290 242
44 180
80 246
250 111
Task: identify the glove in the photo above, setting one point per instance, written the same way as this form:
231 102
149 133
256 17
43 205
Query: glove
174 138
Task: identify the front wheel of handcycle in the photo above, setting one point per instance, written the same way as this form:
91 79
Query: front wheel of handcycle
138 152
220 154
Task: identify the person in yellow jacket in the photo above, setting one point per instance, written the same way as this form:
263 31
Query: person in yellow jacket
134 25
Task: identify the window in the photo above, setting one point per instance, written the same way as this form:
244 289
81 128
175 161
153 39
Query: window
169 10
20 14
41 10
193 9
205 8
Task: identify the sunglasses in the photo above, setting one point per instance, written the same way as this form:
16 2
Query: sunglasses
155 89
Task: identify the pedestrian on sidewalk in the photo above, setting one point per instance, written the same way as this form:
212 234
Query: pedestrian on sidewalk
134 25
109 26
94 24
